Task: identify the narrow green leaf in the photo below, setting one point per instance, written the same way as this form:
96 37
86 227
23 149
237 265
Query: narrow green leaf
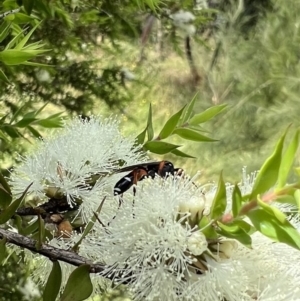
140 138
187 112
5 197
219 203
277 229
15 57
179 153
37 64
207 228
268 173
4 31
4 77
22 18
17 113
34 132
41 108
7 213
237 200
89 226
170 125
28 5
189 134
235 232
79 286
150 131
287 161
11 131
53 283
11 43
3 253
24 122
41 237
50 123
4 183
297 198
22 43
160 147
207 114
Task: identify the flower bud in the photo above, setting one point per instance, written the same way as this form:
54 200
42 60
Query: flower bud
197 243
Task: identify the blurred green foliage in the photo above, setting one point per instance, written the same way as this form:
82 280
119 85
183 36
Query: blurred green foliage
247 57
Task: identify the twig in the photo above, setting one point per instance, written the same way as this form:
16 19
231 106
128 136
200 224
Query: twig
10 12
51 252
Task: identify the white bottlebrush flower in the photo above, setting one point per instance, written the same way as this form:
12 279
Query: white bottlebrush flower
154 246
65 163
200 4
183 19
127 74
29 290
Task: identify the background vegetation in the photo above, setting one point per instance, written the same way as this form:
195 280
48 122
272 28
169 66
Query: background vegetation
117 57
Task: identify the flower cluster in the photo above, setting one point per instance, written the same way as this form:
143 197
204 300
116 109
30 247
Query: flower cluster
74 163
183 20
159 237
156 248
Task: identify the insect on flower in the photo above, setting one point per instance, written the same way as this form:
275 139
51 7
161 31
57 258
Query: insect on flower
139 171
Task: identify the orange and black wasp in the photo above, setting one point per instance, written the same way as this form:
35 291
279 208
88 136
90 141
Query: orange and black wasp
140 171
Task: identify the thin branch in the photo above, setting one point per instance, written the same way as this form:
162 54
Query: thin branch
10 12
48 251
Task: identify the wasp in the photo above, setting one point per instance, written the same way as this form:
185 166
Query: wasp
140 171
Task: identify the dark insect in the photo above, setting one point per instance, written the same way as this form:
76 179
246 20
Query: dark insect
139 171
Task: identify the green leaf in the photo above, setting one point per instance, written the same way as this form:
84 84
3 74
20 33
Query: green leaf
24 122
42 236
187 112
11 131
3 253
12 42
170 125
237 200
219 203
79 286
179 153
297 198
207 114
4 29
15 57
233 230
50 123
5 195
189 134
89 226
7 213
22 43
28 5
207 228
275 227
150 131
287 161
268 173
4 183
22 18
160 147
34 132
140 138
29 229
53 283
4 77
